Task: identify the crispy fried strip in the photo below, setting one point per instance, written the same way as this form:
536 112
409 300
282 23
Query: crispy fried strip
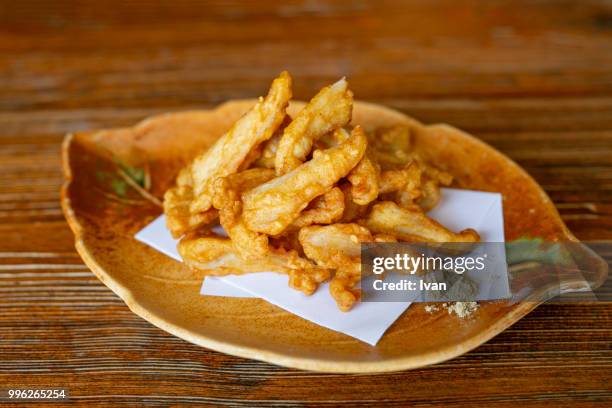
266 159
338 246
335 245
407 195
392 148
272 207
331 108
407 178
179 219
438 175
416 184
226 198
248 244
413 225
430 195
364 177
250 158
324 209
270 146
352 210
364 181
227 189
205 252
288 240
230 151
338 136
215 256
430 189
176 207
342 289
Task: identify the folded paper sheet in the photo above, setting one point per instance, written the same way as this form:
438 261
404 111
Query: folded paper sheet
458 209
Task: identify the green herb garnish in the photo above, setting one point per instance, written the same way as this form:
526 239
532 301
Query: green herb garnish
119 187
135 173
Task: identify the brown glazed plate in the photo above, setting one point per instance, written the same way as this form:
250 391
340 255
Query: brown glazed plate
105 213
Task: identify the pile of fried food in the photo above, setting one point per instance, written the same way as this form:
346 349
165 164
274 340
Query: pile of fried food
299 195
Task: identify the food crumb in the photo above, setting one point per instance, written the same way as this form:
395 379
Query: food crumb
431 308
462 309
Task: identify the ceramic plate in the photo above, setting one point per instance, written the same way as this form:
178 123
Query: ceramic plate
105 213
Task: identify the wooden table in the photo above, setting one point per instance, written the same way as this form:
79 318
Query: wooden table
533 78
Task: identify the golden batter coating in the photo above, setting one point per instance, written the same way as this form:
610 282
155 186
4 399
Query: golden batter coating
413 225
338 246
273 206
330 109
226 198
230 151
215 256
302 212
177 201
325 209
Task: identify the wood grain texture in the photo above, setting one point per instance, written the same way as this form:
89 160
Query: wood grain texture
532 78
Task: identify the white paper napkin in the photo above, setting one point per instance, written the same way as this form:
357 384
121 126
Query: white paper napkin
367 321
